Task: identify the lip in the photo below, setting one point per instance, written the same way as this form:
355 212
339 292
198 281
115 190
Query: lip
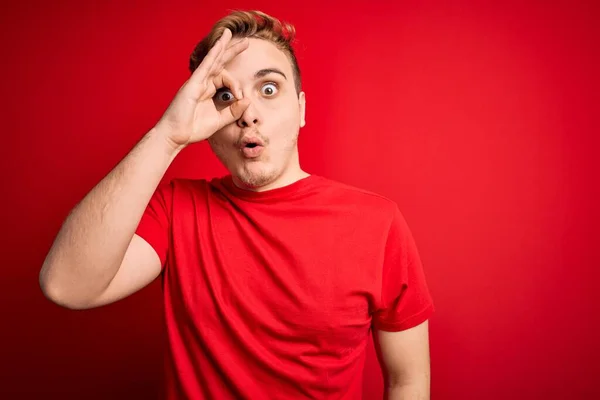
251 139
252 152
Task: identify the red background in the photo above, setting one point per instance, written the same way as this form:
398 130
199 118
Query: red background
481 121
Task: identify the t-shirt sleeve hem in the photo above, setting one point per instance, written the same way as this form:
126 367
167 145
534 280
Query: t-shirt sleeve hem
407 323
150 238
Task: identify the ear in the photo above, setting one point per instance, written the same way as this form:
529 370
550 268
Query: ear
302 109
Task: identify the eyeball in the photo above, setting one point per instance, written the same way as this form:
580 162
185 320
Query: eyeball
269 89
224 96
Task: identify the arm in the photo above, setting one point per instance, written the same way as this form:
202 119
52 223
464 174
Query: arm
96 258
400 325
405 361
98 234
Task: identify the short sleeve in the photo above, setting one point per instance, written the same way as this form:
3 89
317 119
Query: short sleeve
405 297
155 222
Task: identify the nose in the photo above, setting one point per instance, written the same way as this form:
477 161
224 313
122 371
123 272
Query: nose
249 118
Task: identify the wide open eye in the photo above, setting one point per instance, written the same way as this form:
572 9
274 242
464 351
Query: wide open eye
224 96
269 89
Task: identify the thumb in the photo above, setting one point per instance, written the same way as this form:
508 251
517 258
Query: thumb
234 111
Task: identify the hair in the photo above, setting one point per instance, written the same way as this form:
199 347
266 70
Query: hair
251 24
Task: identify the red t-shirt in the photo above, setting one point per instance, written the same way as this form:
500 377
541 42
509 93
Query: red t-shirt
272 294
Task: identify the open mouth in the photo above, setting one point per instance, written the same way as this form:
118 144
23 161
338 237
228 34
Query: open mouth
252 147
252 150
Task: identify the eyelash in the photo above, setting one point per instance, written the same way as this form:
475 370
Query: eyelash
262 86
270 83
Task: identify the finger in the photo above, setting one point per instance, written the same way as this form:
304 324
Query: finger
226 41
223 80
226 80
206 65
234 50
234 47
233 112
214 54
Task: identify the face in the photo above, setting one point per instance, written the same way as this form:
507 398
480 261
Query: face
274 117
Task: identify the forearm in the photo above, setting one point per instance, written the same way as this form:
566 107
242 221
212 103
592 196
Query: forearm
93 239
417 387
408 392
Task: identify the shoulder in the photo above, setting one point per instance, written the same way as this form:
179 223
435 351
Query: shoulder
176 189
364 200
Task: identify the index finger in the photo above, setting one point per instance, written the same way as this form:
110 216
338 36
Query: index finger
211 57
234 50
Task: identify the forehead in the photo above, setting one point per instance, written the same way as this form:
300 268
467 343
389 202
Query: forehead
260 54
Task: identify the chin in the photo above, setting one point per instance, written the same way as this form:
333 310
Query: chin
256 174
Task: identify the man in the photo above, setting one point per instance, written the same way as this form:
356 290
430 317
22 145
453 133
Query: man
273 278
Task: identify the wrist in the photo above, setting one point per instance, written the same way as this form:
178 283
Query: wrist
163 136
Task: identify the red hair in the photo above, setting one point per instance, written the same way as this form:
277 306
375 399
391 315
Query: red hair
251 24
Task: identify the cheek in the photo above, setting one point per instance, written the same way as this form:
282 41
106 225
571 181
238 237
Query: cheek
286 117
221 139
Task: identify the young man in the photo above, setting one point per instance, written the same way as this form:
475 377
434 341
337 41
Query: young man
273 278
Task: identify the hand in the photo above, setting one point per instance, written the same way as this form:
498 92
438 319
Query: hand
192 115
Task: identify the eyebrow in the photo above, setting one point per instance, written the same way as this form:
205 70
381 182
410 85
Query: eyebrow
267 71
